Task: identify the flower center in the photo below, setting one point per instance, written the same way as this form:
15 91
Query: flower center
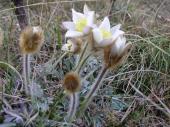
106 34
81 24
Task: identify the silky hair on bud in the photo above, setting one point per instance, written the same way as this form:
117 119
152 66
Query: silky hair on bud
73 45
31 39
71 82
77 43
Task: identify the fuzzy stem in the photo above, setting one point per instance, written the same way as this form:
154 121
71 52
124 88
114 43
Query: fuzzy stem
73 107
96 85
26 72
81 63
81 55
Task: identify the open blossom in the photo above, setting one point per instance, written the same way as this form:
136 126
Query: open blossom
104 35
81 24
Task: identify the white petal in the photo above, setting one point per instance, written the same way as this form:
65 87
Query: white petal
90 18
116 34
36 29
105 42
115 28
97 35
86 9
119 44
72 34
105 24
76 16
123 41
65 47
69 25
86 30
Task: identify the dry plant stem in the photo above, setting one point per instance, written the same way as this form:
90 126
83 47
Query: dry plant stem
73 107
26 72
20 12
94 88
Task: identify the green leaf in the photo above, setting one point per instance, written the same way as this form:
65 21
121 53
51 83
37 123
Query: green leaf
118 104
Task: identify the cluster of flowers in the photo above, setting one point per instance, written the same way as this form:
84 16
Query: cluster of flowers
85 23
99 37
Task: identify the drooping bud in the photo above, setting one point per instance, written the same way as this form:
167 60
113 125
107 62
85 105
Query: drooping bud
73 45
116 53
31 39
71 82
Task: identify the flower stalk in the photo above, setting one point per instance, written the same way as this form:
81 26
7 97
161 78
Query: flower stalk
26 72
94 88
31 40
81 57
81 63
74 99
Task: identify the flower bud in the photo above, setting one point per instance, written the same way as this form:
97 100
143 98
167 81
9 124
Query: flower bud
73 45
116 53
71 82
31 39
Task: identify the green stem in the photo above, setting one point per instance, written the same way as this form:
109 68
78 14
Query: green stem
96 85
26 72
73 107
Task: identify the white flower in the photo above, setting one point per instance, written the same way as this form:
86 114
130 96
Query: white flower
104 35
81 23
119 45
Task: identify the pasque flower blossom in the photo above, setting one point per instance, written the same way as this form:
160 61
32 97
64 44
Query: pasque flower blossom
81 24
104 35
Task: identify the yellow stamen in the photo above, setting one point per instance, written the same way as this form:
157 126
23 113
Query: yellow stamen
106 34
81 24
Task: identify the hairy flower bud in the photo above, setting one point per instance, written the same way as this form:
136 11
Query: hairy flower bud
31 39
71 82
73 45
116 53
